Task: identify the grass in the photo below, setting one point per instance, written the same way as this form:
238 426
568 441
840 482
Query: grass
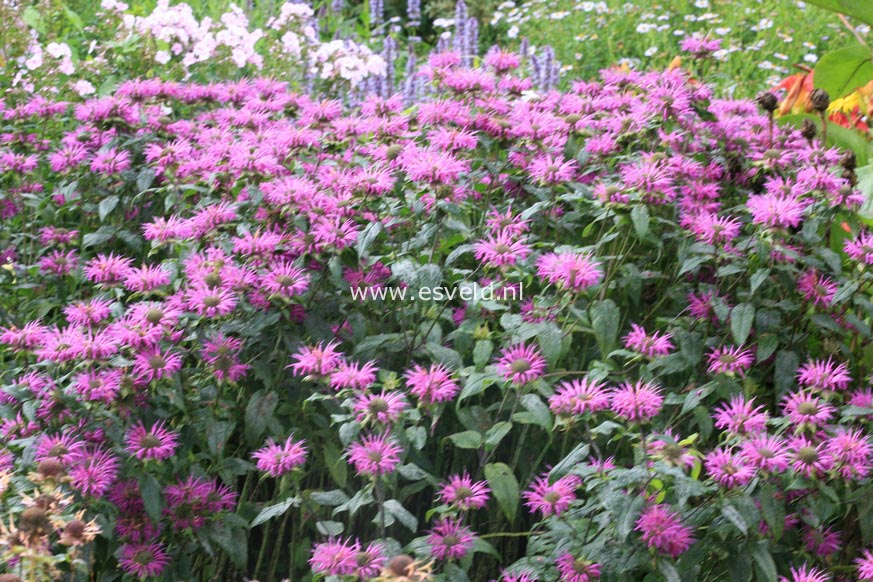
762 39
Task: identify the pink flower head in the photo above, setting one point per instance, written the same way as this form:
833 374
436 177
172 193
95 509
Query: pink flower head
573 271
277 460
552 498
500 250
636 402
285 280
651 346
727 469
861 248
730 360
576 569
155 443
464 493
317 360
662 529
353 375
766 452
806 574
335 558
143 560
824 375
383 408
521 364
822 541
220 352
153 364
92 473
865 566
375 455
579 397
817 288
807 458
431 385
850 452
741 416
548 169
449 540
776 210
806 409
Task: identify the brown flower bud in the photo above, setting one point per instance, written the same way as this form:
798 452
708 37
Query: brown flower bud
399 565
808 129
820 100
768 101
50 468
33 521
848 161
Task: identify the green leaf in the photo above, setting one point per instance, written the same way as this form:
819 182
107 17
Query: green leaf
258 414
604 320
329 528
475 384
567 464
102 235
742 317
785 371
496 433
469 439
272 511
865 186
842 71
539 412
401 514
859 9
367 236
482 352
145 178
669 571
336 465
732 515
150 491
764 562
106 206
640 218
759 277
329 498
549 339
233 541
217 433
504 487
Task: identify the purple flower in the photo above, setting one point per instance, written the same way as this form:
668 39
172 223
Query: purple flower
276 460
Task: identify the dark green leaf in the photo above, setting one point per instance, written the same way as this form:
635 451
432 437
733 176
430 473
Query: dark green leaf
272 511
151 496
504 487
467 440
742 317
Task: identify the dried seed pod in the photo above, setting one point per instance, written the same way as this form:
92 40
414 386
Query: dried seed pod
820 100
768 101
808 129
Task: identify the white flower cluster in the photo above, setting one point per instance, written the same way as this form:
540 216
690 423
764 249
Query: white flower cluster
195 41
343 59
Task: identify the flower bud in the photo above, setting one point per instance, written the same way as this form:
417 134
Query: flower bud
768 101
808 129
820 100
